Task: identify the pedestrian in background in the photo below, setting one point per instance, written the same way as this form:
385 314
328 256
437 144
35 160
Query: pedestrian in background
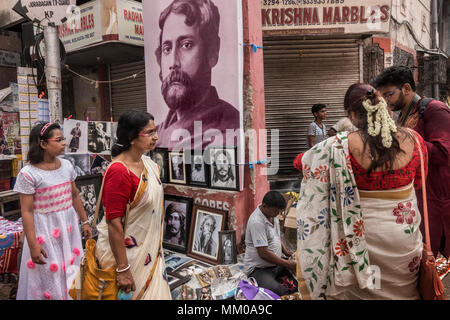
357 217
50 206
431 119
317 131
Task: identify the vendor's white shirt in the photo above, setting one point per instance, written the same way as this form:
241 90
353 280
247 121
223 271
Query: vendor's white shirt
260 233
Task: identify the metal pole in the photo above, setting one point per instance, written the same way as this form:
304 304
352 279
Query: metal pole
434 45
53 73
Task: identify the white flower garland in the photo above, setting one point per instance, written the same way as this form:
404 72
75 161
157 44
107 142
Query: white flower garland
383 122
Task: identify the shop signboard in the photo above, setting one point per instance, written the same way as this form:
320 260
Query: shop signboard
100 21
83 28
131 22
9 59
315 17
48 12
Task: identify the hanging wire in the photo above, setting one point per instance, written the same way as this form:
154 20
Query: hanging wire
96 82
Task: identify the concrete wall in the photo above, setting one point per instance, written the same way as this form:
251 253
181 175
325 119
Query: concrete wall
418 14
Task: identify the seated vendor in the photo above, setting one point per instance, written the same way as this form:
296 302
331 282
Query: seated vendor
264 248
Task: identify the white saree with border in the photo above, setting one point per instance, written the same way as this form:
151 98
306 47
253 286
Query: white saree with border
143 237
354 244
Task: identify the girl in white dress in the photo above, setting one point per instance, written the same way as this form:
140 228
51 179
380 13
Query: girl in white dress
51 210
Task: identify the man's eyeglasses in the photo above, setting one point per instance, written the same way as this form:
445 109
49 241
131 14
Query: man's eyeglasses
59 140
389 94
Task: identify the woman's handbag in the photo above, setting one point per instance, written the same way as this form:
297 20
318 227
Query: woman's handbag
430 285
94 283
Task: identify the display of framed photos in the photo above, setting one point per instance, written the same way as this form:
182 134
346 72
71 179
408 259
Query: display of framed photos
177 219
204 234
224 171
89 190
198 170
177 167
227 247
160 156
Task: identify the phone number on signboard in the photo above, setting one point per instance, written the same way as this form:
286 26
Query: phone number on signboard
300 2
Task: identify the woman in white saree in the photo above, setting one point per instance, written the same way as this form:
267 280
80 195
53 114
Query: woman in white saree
357 217
130 235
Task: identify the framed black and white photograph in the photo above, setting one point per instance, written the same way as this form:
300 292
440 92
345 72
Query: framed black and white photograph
177 219
80 163
227 247
175 280
204 235
76 133
198 173
89 190
224 171
190 268
99 165
173 262
99 137
177 167
160 156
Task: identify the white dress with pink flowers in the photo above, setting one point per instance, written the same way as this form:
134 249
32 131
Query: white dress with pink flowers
57 230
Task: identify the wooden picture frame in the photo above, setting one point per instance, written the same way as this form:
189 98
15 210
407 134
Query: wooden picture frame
177 173
227 247
198 177
175 280
160 156
223 178
177 219
209 219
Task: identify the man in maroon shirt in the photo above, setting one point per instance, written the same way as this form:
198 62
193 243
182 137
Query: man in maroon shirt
431 119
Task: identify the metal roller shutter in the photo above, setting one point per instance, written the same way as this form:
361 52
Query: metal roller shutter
299 73
130 93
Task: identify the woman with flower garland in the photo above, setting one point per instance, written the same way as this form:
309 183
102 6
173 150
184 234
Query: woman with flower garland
51 208
358 220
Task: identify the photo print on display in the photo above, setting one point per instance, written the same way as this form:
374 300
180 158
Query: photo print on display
80 163
198 171
76 133
160 157
204 235
99 137
224 171
177 219
177 167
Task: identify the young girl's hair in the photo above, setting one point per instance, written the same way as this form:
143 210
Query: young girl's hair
130 123
40 132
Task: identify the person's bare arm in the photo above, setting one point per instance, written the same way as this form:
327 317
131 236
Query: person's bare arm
311 141
267 255
116 240
26 205
78 205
